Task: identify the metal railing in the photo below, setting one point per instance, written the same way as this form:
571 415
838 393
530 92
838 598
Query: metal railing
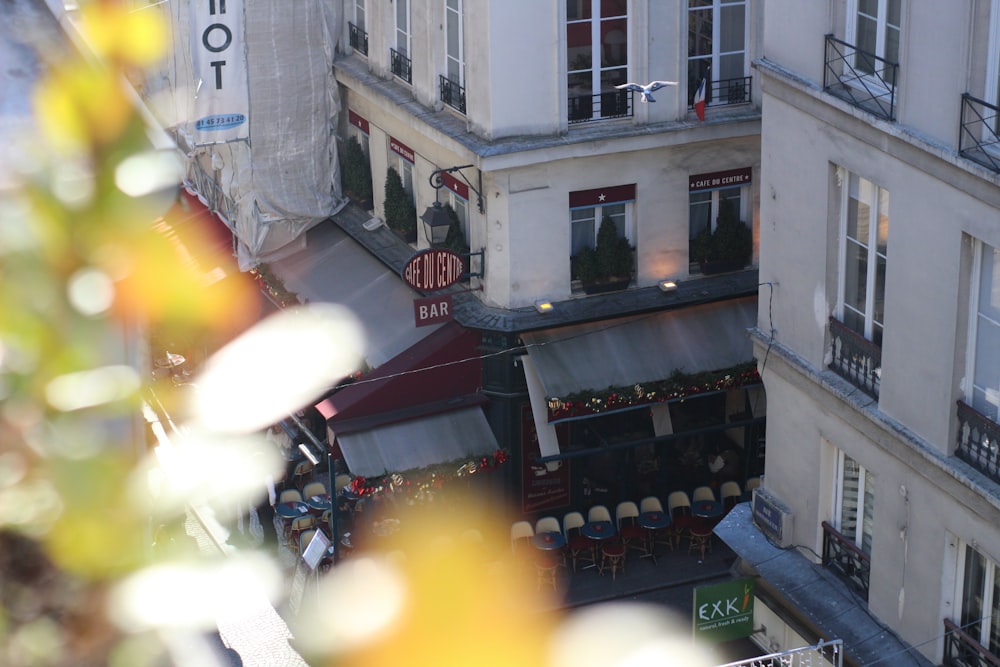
358 38
452 93
823 654
977 132
855 358
846 559
962 650
401 65
860 78
725 92
978 441
614 104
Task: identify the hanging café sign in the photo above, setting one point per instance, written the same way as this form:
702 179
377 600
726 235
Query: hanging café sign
433 269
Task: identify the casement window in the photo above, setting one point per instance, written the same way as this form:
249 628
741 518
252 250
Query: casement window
854 505
983 359
457 196
873 29
718 33
979 594
454 37
358 128
596 58
356 24
864 237
401 159
588 208
710 194
402 40
359 13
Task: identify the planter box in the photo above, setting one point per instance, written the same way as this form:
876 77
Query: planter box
722 266
607 285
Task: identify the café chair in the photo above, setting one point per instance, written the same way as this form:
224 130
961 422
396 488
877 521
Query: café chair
290 496
703 493
599 513
730 493
632 535
300 524
547 524
661 535
314 489
302 468
679 506
546 567
753 483
700 538
324 522
341 481
580 547
304 538
613 557
520 534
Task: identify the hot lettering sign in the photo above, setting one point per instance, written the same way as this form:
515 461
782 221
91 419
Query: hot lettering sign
221 101
723 612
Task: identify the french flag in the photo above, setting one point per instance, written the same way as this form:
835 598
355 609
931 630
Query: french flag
699 99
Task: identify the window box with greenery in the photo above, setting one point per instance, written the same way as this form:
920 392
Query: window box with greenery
356 174
727 247
607 267
400 215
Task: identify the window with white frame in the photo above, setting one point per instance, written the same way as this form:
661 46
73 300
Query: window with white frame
854 505
864 238
589 208
983 360
362 136
596 58
403 27
718 33
979 594
461 208
873 29
359 13
704 208
454 38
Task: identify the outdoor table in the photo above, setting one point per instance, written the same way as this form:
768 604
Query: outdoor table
319 503
548 541
707 509
652 522
291 510
597 531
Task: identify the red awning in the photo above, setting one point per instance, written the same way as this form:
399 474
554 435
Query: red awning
442 372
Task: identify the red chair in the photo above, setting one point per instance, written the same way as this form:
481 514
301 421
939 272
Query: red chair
632 535
580 548
679 506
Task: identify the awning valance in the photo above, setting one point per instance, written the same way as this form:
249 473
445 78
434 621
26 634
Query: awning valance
645 348
418 443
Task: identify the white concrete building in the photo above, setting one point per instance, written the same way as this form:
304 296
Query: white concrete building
877 335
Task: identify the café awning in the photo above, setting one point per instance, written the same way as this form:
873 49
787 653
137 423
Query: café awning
418 443
644 348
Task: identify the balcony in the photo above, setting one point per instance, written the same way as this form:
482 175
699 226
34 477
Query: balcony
358 38
400 65
614 104
726 92
978 441
452 93
855 358
977 133
846 559
860 78
961 650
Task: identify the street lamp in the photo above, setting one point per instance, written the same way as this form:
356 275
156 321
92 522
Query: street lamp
436 220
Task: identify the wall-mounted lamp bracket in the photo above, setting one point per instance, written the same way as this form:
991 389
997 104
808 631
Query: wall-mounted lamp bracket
437 182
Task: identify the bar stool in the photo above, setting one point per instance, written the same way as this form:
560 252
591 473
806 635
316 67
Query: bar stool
700 537
545 570
613 556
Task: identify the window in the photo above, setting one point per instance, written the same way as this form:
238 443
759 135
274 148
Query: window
358 33
399 55
461 208
596 58
717 39
984 335
588 208
864 240
979 590
873 29
455 47
704 207
361 134
855 502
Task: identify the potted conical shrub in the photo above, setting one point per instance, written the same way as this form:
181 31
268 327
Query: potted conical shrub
608 266
726 248
400 216
356 174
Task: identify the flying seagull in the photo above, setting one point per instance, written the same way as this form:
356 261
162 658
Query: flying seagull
645 91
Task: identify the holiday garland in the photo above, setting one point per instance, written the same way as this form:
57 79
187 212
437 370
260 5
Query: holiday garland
422 485
271 284
678 385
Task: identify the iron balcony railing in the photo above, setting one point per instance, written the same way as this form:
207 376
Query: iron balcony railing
400 65
846 559
961 650
860 78
725 92
613 104
855 358
828 654
452 93
358 38
977 134
978 441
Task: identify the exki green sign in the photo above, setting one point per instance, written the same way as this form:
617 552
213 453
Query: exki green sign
723 612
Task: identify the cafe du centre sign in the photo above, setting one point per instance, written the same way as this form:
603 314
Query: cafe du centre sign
429 271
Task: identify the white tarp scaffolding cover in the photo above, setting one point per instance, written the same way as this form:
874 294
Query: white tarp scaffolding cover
275 175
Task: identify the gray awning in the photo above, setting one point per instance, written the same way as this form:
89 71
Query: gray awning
646 348
335 268
418 443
